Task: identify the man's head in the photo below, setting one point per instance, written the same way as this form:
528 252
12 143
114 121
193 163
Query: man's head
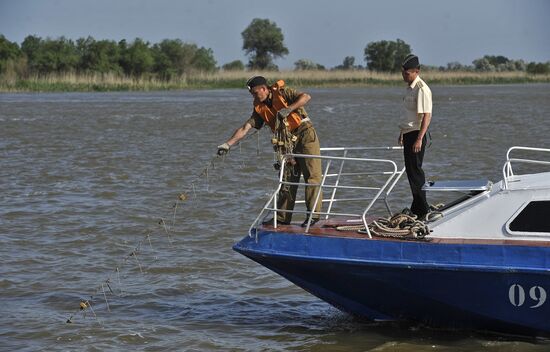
257 86
410 68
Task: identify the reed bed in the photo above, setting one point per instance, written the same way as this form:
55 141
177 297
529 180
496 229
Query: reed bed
235 79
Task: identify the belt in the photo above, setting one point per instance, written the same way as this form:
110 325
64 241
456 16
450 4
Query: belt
304 125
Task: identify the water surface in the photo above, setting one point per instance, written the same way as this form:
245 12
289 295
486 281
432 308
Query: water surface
85 177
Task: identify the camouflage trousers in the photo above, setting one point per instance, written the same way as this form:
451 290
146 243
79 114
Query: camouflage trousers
309 168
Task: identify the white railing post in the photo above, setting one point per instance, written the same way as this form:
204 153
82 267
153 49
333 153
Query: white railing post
333 195
396 179
319 192
358 191
507 170
364 217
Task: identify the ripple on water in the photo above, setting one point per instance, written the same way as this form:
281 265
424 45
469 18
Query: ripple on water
85 177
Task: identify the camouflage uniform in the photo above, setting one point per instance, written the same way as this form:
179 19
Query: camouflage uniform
310 168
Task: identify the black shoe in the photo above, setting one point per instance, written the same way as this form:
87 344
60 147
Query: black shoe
270 222
313 222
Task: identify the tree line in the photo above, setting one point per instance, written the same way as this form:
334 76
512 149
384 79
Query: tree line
167 59
263 42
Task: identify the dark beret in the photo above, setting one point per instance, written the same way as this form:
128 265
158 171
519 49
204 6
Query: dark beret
256 81
411 61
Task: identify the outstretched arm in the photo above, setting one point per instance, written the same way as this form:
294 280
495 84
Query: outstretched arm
239 134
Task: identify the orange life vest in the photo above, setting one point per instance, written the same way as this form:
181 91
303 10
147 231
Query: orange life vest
278 102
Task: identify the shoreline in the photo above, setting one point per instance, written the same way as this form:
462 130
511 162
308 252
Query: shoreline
235 79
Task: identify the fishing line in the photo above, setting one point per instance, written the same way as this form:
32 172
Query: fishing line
114 279
104 295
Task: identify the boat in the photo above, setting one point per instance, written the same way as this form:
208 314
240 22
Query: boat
484 263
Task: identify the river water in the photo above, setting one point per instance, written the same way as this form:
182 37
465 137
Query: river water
87 179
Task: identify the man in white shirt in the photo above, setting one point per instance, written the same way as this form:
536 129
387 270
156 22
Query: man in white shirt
417 114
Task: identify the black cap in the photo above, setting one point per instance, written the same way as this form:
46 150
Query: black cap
411 61
256 81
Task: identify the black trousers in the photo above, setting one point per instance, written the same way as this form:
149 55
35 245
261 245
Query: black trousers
415 174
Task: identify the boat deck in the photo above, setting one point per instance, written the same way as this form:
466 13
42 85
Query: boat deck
510 212
328 228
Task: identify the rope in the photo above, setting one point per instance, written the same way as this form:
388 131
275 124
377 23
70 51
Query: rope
350 228
283 143
397 226
100 289
400 226
115 277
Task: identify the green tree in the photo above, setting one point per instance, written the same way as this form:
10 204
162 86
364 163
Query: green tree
520 65
347 64
539 68
174 58
455 66
98 56
136 59
307 65
386 56
30 46
264 42
491 63
50 55
496 60
483 65
235 65
203 60
9 52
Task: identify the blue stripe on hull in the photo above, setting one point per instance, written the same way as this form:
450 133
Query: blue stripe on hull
489 287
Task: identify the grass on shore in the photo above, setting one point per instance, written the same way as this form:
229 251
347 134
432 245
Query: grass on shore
71 82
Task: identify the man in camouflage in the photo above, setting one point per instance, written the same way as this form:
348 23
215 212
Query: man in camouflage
286 104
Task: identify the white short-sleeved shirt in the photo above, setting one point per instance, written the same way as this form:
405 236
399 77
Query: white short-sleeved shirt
417 101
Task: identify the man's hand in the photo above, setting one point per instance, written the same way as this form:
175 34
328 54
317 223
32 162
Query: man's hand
283 113
223 149
400 139
417 146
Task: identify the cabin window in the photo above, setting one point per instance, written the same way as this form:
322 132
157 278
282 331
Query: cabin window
533 218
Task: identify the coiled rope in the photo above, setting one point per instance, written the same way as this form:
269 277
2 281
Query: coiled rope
397 226
400 226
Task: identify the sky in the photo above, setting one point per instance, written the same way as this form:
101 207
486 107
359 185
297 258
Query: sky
325 32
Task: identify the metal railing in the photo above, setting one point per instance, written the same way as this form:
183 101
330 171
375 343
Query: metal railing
508 172
349 175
